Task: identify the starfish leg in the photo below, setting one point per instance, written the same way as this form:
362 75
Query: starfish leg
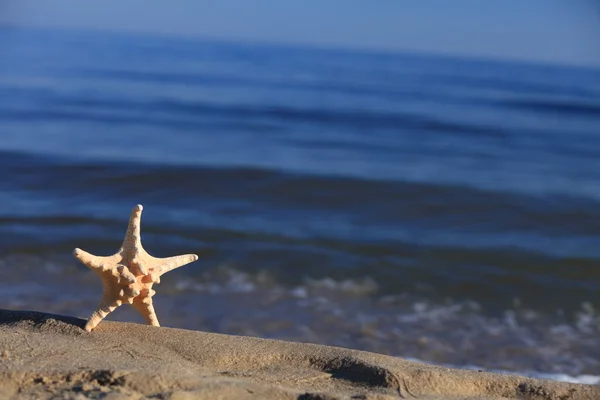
171 263
145 307
132 236
95 263
101 312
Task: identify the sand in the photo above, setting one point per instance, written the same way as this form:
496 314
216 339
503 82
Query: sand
45 356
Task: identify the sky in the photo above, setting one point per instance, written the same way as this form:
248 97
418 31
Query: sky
554 31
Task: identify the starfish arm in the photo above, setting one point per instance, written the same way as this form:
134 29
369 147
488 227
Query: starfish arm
93 262
170 263
146 308
133 236
106 307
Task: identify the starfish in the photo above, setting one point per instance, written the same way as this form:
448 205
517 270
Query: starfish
128 275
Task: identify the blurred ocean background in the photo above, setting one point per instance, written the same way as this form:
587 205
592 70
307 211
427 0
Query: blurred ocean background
438 208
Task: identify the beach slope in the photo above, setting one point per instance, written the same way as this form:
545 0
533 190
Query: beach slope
45 356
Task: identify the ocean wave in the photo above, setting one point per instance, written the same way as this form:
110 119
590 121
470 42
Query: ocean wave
567 107
197 114
446 241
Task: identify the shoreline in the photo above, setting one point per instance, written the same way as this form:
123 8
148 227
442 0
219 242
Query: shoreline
44 355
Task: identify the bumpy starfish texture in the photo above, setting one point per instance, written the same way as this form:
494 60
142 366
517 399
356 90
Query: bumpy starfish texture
128 275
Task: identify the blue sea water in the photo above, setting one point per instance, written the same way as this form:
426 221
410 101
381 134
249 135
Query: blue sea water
423 206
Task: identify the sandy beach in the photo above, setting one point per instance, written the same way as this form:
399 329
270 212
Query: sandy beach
45 356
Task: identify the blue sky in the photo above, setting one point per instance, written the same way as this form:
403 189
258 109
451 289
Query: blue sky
558 31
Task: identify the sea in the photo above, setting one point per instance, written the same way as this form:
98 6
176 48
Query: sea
431 207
